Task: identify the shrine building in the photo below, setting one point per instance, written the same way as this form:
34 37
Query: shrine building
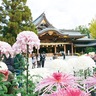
55 40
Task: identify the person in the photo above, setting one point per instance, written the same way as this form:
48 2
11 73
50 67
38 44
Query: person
9 62
34 61
19 64
54 56
42 59
63 54
38 60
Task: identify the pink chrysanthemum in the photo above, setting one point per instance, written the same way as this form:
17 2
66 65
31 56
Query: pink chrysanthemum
68 91
26 38
5 49
60 92
58 80
75 92
90 82
4 70
5 73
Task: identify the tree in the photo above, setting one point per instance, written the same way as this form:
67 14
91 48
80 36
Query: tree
90 49
15 17
92 28
84 30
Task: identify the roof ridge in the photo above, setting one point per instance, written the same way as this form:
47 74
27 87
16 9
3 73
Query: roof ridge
43 14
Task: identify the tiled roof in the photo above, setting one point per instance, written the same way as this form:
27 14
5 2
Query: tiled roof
85 45
86 39
40 18
70 33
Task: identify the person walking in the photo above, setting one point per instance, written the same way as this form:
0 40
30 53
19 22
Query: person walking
34 61
42 59
63 54
38 60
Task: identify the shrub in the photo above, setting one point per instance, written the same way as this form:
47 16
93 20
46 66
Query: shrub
89 49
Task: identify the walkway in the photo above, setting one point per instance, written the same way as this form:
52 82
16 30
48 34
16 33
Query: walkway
49 59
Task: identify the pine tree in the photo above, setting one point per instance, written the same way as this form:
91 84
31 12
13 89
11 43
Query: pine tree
15 17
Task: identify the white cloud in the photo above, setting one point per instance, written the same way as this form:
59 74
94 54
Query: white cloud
65 14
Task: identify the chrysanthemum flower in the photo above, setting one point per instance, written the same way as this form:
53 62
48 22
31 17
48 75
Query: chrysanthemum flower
61 92
68 91
85 62
5 49
5 73
75 92
26 38
41 72
73 63
60 65
81 63
90 82
58 80
4 70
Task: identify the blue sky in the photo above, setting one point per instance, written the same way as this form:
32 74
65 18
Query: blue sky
65 14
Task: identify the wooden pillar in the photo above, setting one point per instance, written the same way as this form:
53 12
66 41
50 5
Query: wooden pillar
37 51
75 49
65 49
72 48
55 49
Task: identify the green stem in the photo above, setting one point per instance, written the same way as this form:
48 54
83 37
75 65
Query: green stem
27 69
85 74
0 56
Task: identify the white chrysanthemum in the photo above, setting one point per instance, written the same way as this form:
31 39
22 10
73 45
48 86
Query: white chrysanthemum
92 54
84 62
81 63
73 63
60 65
3 66
39 73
